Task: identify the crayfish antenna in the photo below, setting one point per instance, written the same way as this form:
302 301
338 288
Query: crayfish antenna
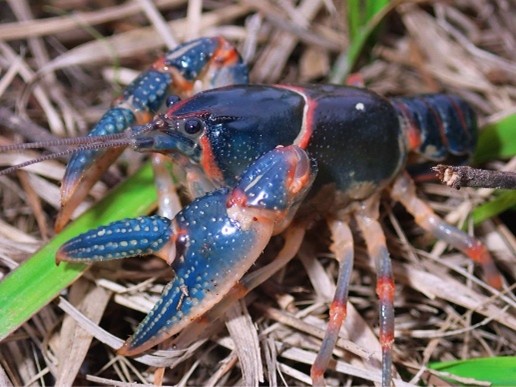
78 143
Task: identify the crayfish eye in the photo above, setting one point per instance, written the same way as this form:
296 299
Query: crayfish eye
193 126
172 99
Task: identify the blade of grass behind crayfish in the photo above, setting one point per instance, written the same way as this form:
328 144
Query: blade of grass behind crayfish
499 371
496 141
38 281
363 19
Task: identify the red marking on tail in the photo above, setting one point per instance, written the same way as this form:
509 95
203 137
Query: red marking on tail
460 114
413 134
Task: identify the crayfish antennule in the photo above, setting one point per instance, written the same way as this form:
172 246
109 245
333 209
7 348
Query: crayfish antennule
72 141
85 143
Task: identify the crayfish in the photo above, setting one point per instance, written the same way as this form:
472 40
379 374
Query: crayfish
272 157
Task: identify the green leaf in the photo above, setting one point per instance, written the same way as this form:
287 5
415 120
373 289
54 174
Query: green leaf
38 280
360 13
502 202
364 16
500 371
497 141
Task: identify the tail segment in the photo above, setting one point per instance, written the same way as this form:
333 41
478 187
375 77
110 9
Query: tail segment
438 126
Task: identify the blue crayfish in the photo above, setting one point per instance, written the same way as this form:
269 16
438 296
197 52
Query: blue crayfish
327 150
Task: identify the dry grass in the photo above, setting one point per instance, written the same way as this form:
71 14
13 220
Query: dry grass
74 63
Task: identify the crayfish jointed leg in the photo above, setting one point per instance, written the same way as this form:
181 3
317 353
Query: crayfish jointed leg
343 248
377 250
404 191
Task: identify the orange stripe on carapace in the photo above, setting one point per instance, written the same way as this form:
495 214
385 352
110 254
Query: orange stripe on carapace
385 289
208 160
307 127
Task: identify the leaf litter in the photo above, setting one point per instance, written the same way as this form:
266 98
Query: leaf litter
52 61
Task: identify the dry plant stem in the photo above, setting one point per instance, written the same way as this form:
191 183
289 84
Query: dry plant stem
26 128
300 325
41 56
60 24
464 176
431 301
35 203
245 337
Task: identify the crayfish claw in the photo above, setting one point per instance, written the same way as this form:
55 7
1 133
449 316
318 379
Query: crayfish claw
222 235
213 62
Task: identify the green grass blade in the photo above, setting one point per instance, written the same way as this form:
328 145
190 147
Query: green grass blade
38 281
363 19
497 141
360 13
502 202
500 371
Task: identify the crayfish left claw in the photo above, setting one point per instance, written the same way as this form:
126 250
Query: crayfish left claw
125 238
200 64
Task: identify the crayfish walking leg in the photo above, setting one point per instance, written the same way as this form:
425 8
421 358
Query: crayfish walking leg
377 250
404 191
343 248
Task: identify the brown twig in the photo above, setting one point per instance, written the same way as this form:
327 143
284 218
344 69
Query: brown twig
464 176
23 126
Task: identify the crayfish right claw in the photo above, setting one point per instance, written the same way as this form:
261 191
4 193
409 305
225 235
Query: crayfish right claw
210 244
